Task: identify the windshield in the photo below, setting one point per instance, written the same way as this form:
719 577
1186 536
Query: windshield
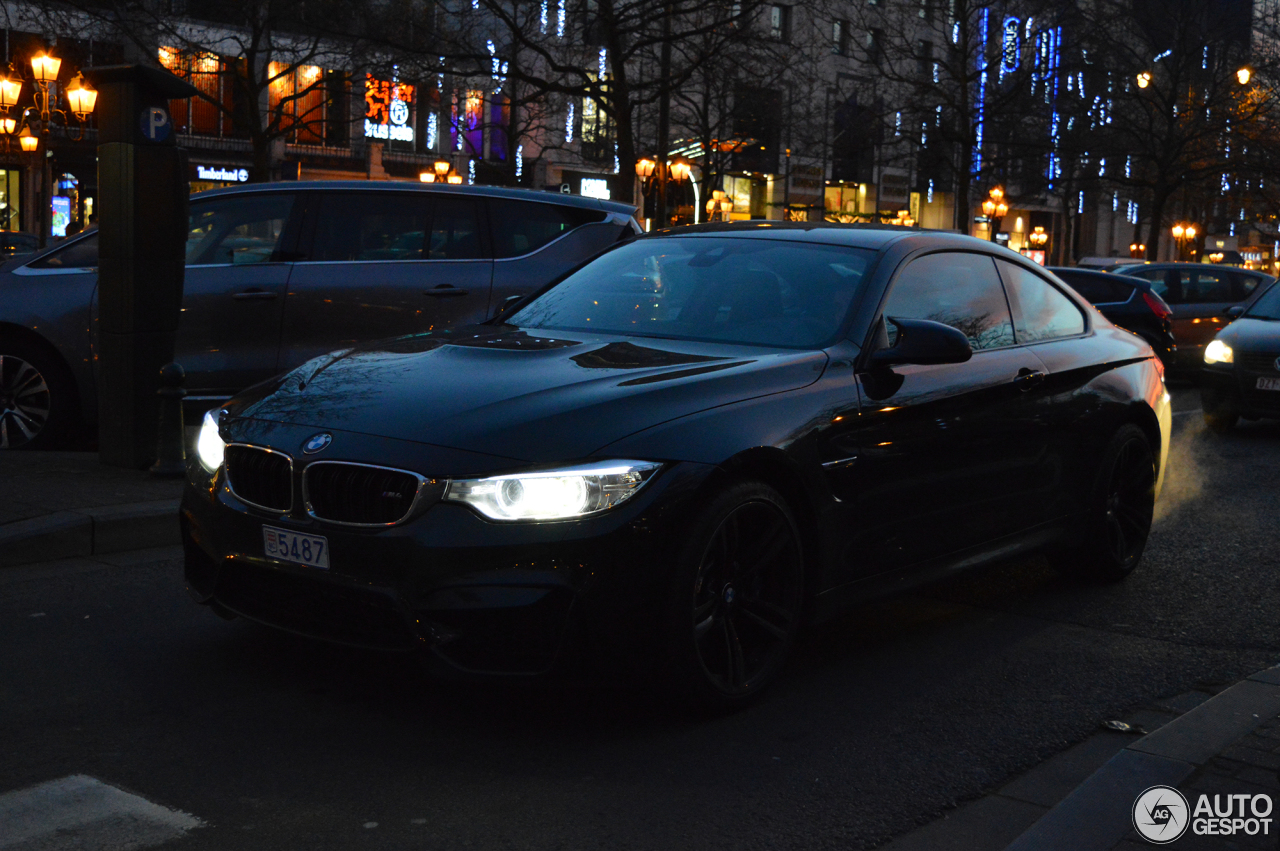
725 289
1267 306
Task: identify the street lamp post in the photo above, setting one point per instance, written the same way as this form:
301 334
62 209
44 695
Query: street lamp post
80 100
654 174
995 209
1183 234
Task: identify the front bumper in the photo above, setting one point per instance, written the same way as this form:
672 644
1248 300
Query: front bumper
482 597
1233 389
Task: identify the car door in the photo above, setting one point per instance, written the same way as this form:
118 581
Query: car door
382 264
1199 296
1061 464
945 452
233 291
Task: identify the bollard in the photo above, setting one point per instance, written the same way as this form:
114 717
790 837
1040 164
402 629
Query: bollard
171 452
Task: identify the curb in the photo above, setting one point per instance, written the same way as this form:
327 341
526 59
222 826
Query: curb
1098 814
91 531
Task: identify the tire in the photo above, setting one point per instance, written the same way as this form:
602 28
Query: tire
1119 513
38 406
1220 422
736 597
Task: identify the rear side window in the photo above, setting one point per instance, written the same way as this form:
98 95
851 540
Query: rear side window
956 289
370 226
82 254
236 230
520 227
1040 311
1096 287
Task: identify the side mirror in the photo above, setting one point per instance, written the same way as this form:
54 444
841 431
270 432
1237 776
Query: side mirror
923 341
1235 311
505 308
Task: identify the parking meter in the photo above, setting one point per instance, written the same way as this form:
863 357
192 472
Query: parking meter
142 231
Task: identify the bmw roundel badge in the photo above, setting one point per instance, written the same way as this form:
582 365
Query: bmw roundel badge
317 442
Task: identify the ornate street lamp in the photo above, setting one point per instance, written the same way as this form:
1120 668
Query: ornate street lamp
1144 79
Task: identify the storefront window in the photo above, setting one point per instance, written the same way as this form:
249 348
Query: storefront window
10 199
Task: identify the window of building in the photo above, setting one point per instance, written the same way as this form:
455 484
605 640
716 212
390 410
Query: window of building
924 59
780 23
875 46
840 38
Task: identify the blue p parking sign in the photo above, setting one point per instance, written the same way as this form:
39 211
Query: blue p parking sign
156 124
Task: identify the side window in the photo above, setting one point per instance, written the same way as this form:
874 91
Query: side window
520 227
455 230
81 254
1096 288
236 230
956 289
1245 285
1040 311
355 226
1208 286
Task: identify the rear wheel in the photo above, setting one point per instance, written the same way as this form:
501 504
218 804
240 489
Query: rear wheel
736 598
37 404
1120 511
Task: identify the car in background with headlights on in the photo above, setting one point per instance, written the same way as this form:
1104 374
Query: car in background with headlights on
1241 375
680 454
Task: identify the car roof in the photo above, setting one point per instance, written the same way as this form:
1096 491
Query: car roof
870 236
438 188
1129 280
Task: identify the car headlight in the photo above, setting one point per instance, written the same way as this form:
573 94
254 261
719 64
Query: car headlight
553 494
209 445
1218 352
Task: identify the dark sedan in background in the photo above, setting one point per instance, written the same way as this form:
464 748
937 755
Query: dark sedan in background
1128 302
282 272
1241 376
681 452
1200 295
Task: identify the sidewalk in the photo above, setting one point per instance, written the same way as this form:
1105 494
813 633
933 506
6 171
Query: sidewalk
1083 799
64 504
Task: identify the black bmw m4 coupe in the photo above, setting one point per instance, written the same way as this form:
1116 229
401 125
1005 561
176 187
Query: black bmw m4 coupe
682 453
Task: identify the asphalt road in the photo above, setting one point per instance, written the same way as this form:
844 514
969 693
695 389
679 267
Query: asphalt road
883 721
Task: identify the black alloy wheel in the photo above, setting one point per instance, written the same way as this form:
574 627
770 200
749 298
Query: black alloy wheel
1120 513
738 595
35 398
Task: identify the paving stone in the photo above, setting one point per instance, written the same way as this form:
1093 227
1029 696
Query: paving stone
1215 724
1184 702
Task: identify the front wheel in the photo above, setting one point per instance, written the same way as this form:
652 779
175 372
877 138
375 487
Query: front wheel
736 596
37 407
1119 513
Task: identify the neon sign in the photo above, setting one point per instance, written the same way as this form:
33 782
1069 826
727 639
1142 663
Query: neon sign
386 110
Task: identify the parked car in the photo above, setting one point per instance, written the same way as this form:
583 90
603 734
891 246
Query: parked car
1242 365
279 273
15 243
1128 302
685 449
1199 294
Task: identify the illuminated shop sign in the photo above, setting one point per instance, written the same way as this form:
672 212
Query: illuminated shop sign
386 110
595 187
225 175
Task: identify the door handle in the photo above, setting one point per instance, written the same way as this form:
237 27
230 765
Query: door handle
445 291
254 295
1028 378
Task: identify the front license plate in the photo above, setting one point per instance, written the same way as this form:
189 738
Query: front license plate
311 550
1269 383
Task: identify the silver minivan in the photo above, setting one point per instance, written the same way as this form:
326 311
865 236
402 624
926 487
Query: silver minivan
279 273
